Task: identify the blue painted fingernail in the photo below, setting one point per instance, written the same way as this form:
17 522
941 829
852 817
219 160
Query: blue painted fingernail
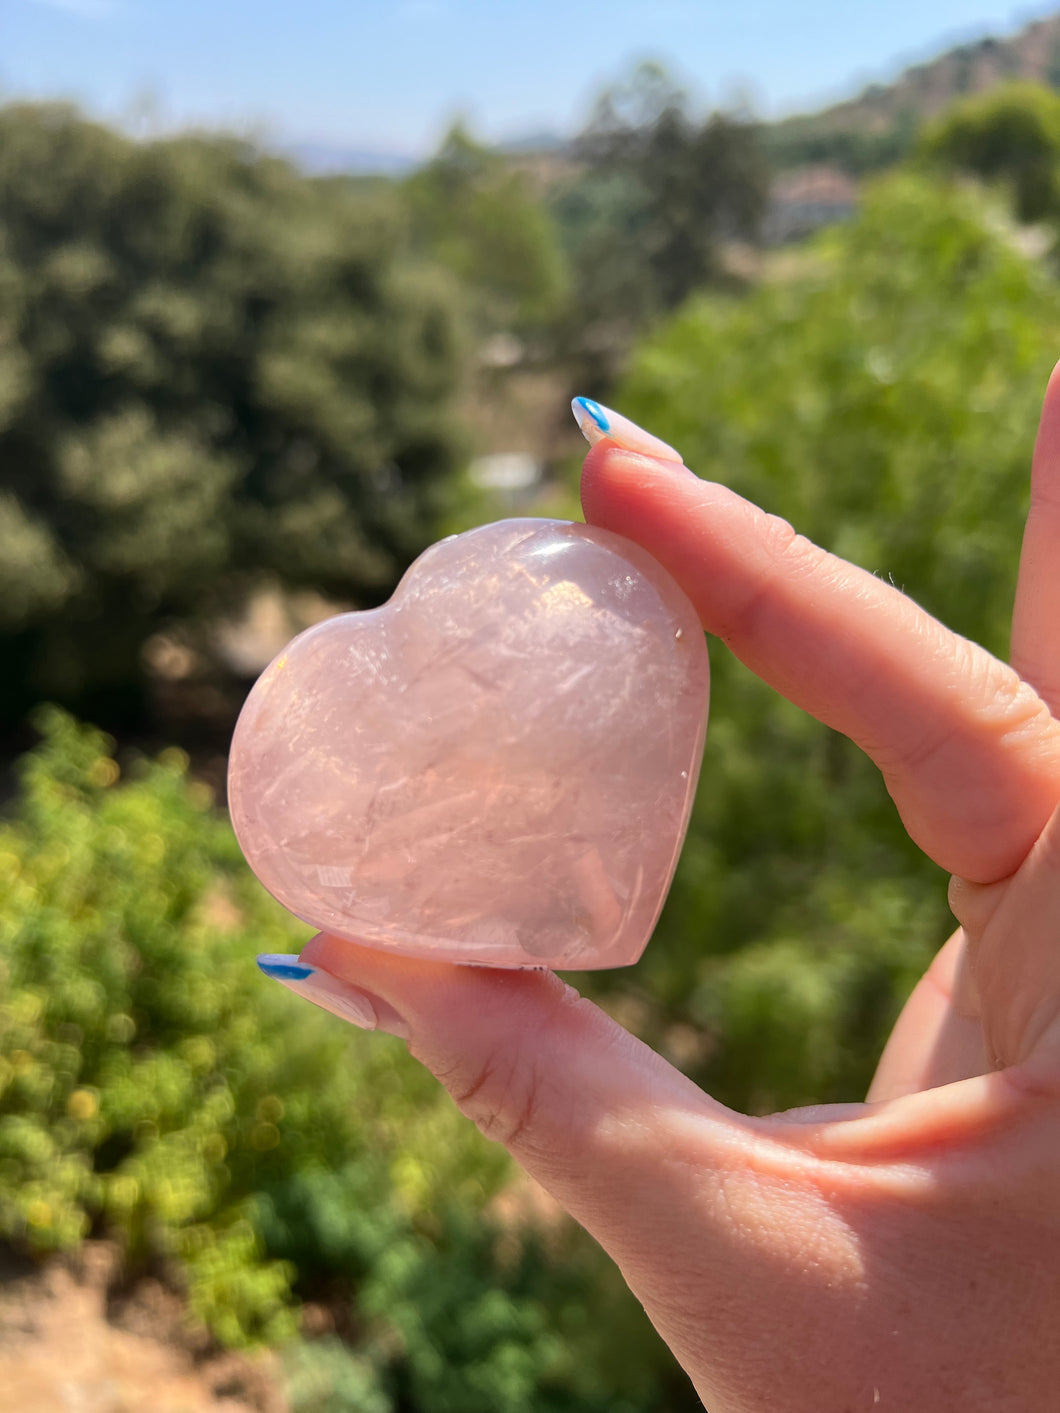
349 1003
587 411
284 966
596 422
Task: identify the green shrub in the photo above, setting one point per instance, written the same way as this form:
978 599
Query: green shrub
1009 134
156 1088
154 1082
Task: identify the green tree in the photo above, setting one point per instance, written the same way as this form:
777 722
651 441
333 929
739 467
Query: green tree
211 369
884 400
660 189
836 139
1012 135
477 215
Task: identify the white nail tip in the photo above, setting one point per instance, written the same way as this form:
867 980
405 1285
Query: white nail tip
355 1009
596 422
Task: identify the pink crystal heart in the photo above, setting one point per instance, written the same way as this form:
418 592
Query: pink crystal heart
496 766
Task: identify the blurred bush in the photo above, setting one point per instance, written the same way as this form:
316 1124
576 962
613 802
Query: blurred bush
1010 134
657 191
479 217
882 396
154 1087
211 369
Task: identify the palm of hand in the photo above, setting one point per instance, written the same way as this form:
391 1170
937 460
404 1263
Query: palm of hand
898 1254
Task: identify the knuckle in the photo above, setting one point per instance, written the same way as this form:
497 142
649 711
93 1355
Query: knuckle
781 537
1001 707
513 1088
1015 702
500 1097
789 555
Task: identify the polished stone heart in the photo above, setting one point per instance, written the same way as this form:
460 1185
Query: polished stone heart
496 766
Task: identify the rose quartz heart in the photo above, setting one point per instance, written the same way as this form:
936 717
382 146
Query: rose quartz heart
496 766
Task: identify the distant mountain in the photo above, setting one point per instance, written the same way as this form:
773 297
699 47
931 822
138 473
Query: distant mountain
860 134
878 125
323 159
535 142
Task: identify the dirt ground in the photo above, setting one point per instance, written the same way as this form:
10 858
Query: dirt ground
69 1345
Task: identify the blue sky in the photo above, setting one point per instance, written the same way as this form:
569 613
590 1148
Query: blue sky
388 74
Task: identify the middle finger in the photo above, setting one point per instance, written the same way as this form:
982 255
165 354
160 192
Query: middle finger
1036 619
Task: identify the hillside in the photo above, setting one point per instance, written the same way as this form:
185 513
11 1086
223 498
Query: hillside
860 134
876 126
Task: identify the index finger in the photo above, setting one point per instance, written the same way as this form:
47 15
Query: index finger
969 752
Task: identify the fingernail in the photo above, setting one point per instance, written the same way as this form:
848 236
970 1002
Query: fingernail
347 1002
597 422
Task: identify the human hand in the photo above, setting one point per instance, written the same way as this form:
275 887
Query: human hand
897 1254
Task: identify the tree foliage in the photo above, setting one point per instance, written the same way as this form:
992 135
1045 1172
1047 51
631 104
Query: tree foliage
211 369
834 140
477 216
1010 134
660 188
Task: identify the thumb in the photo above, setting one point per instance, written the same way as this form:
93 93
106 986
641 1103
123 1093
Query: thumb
796 1263
701 1208
535 1066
